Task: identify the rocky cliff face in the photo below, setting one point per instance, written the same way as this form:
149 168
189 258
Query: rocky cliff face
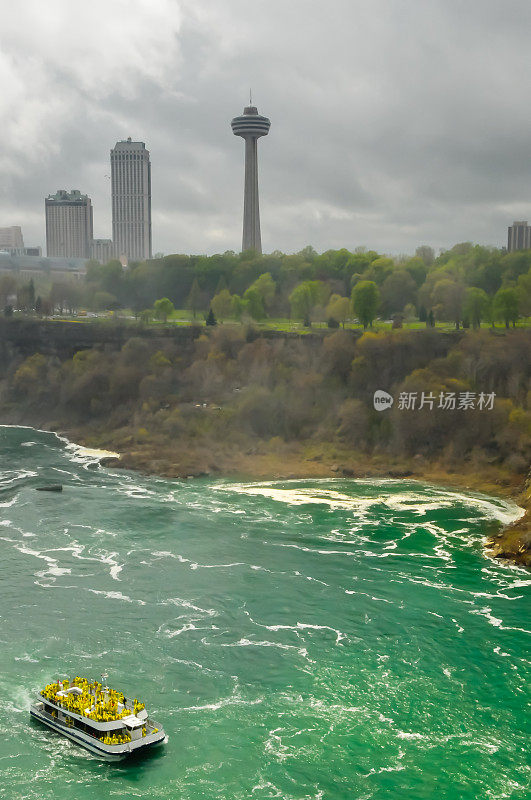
20 338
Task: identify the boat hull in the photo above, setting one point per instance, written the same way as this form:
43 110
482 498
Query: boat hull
93 745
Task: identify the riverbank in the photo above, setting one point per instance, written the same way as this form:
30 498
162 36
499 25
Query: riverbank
276 460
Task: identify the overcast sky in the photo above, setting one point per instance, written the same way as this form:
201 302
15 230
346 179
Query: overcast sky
394 123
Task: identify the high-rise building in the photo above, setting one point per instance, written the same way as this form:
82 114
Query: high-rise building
68 224
519 236
11 240
251 126
102 250
131 200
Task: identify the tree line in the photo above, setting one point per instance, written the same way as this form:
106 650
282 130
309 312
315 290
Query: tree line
466 285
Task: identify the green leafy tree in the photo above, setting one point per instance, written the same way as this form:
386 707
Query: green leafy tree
524 294
163 308
31 374
365 301
222 284
26 296
475 306
66 295
254 304
379 270
506 305
194 298
238 306
338 309
102 301
222 304
417 269
266 288
106 277
448 300
427 254
159 361
397 291
305 297
8 287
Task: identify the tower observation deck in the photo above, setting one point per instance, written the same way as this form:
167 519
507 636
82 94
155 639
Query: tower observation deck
251 126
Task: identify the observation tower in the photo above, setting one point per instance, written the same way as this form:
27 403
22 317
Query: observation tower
251 126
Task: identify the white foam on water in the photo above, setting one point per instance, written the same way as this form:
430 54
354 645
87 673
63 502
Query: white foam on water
394 768
135 492
86 455
178 601
171 634
244 642
302 626
116 596
9 503
275 747
17 476
411 501
296 497
495 621
233 700
482 745
500 652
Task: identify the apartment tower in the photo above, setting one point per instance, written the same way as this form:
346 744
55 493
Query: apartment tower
131 200
68 224
519 236
11 239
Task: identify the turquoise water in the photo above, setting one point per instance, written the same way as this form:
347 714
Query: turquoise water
306 639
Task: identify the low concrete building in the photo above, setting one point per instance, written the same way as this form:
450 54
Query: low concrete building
23 268
102 250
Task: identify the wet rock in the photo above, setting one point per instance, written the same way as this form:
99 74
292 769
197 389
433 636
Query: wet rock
110 461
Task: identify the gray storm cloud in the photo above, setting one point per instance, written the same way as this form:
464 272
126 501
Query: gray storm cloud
394 122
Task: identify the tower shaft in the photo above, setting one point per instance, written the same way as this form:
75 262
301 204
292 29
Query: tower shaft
250 126
251 211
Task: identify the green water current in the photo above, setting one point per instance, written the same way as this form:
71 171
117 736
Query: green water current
334 640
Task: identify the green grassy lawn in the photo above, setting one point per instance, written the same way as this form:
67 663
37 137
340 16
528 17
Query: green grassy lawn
184 317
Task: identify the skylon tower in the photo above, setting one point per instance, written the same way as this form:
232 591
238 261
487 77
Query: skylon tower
251 126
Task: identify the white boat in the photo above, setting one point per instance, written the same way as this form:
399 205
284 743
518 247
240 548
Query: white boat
98 718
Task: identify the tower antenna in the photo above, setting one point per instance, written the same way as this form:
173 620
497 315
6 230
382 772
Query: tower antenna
250 97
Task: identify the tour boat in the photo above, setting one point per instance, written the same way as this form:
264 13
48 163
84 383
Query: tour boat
96 717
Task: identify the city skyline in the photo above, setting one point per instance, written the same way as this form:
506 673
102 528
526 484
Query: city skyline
426 147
